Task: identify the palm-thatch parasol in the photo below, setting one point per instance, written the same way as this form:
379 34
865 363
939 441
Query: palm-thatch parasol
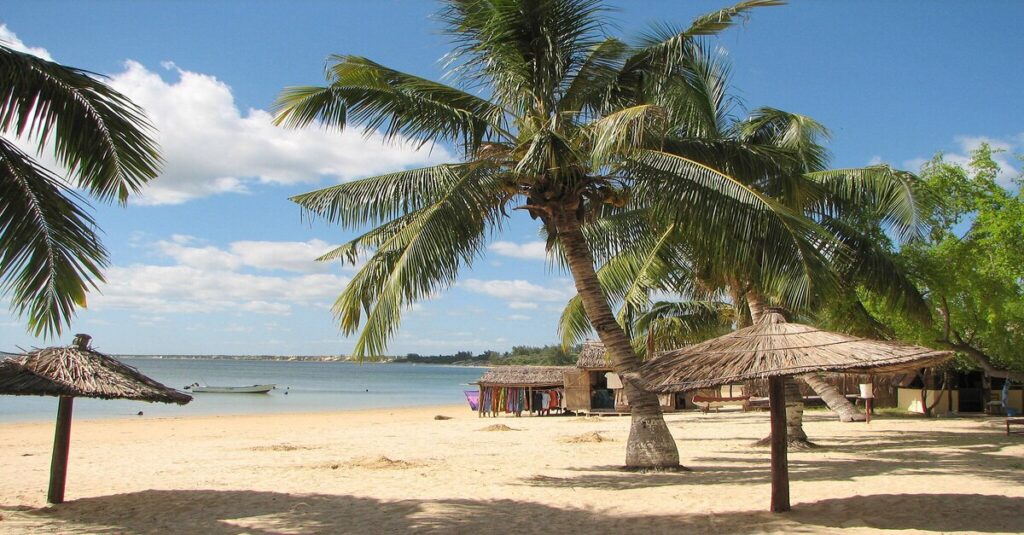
774 349
76 371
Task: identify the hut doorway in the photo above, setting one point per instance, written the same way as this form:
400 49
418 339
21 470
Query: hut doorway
972 392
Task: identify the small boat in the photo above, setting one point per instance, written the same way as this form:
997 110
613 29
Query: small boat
254 389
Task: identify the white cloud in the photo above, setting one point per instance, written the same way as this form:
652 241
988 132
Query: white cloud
211 147
518 317
299 257
520 305
533 250
516 290
207 279
9 39
876 160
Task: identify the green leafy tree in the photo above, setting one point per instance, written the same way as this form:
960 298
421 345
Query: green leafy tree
571 130
50 252
970 267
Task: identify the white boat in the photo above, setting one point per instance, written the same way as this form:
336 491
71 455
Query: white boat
254 389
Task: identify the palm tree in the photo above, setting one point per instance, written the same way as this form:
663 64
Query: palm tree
570 131
50 253
852 206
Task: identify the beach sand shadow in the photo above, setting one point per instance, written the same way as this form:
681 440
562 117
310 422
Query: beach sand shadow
235 512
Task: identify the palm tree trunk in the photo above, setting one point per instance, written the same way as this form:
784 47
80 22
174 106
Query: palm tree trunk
650 443
833 398
795 434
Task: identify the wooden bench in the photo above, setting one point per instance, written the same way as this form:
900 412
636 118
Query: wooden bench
706 403
1014 421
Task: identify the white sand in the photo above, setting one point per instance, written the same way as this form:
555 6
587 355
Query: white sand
393 471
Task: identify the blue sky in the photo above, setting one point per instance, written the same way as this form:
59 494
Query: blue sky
215 259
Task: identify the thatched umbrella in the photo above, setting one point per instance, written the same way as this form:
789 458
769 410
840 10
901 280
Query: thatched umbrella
774 349
76 371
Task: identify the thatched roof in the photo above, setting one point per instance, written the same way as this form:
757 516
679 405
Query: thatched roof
78 371
525 376
592 356
774 347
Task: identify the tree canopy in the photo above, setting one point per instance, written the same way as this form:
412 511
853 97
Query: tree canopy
970 266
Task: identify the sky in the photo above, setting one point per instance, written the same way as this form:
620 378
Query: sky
214 259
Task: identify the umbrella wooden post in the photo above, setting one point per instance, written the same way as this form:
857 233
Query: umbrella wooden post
780 463
61 446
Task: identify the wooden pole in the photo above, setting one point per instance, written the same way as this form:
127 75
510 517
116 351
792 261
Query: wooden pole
61 446
780 464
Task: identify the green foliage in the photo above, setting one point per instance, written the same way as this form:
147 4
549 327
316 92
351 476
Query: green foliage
50 251
970 265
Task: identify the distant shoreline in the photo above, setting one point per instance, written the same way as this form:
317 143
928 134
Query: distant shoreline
307 358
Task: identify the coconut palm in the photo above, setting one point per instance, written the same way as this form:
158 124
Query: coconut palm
50 253
852 205
570 131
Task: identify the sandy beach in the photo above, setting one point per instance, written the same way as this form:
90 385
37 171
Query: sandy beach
393 471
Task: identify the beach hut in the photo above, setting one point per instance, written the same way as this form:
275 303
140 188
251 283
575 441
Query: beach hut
594 387
76 371
773 349
515 389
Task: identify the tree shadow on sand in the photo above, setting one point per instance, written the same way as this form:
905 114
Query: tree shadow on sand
909 453
235 512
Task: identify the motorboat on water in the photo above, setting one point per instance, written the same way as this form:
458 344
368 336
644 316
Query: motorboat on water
253 389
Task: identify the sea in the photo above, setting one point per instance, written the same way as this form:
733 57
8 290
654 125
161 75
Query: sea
302 386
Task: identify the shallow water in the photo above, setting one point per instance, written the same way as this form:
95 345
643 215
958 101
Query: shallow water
301 387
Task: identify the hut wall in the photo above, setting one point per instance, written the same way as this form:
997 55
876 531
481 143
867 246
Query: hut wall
910 400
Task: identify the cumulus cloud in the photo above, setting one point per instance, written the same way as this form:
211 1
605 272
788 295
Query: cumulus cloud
294 256
207 279
298 257
211 147
519 291
533 250
10 40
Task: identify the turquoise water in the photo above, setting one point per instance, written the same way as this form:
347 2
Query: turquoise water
310 387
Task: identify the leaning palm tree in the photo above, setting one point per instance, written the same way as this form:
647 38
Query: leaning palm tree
852 205
50 253
570 131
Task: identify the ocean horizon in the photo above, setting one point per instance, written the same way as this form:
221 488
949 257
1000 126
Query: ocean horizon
301 386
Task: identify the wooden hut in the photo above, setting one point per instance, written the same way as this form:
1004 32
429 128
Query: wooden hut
517 389
594 387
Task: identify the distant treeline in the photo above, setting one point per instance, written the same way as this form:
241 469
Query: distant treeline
520 355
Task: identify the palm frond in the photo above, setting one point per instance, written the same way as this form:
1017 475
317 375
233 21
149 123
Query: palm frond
876 270
50 255
377 199
669 325
618 134
525 52
666 50
896 197
591 86
394 103
98 135
734 224
414 256
799 133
